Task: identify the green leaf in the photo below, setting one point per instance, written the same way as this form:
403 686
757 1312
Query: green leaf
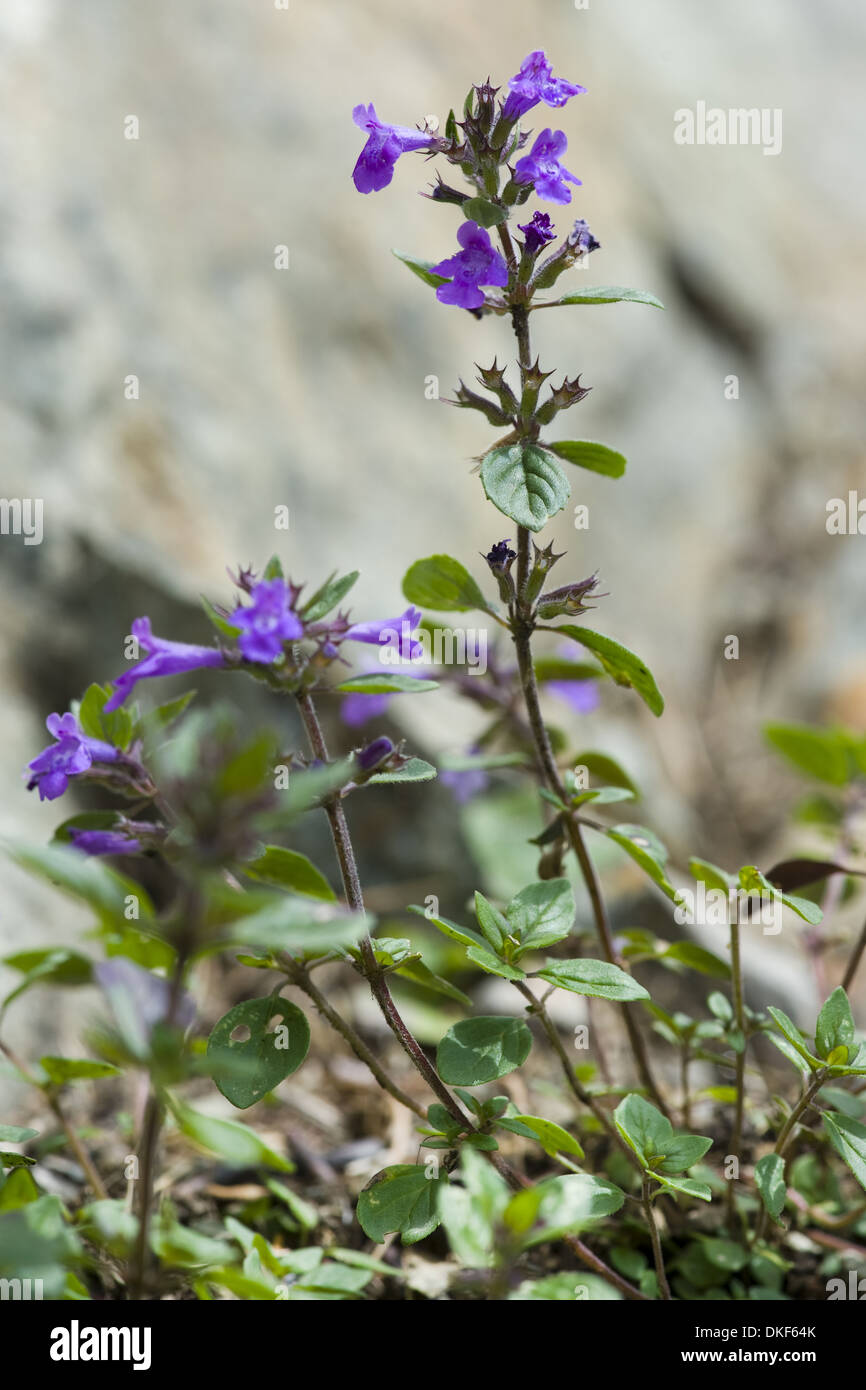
698 958
566 1287
491 921
848 1138
526 483
464 935
423 269
821 753
60 1070
17 1190
552 1137
647 850
598 458
86 878
485 213
793 1035
443 584
246 1071
285 868
327 597
608 771
622 665
237 1143
48 967
471 1213
420 974
287 925
166 714
835 1026
611 294
711 875
386 685
115 727
688 1186
681 1151
597 978
541 914
770 1177
400 1198
493 965
569 1204
14 1134
478 1050
217 620
753 881
661 1150
415 770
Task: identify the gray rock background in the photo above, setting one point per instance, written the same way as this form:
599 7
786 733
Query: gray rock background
305 387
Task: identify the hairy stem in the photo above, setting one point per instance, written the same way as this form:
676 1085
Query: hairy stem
300 977
550 773
355 898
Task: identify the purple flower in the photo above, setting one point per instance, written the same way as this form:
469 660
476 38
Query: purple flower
357 708
103 841
72 754
477 264
542 168
534 83
374 753
267 623
465 783
385 144
581 695
581 239
501 557
537 233
163 658
392 634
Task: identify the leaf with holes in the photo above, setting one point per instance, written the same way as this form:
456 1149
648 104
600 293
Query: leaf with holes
245 1071
526 483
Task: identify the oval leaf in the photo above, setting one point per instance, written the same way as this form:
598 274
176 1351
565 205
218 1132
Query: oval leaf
478 1050
526 483
246 1071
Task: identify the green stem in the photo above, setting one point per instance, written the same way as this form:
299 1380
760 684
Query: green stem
787 1131
740 1059
658 1257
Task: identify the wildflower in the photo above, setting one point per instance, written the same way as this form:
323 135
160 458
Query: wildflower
163 658
477 264
392 634
542 167
72 753
385 144
267 623
501 557
534 83
581 239
537 233
103 841
374 753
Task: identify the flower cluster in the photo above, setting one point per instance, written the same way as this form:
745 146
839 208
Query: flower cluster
482 146
266 629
